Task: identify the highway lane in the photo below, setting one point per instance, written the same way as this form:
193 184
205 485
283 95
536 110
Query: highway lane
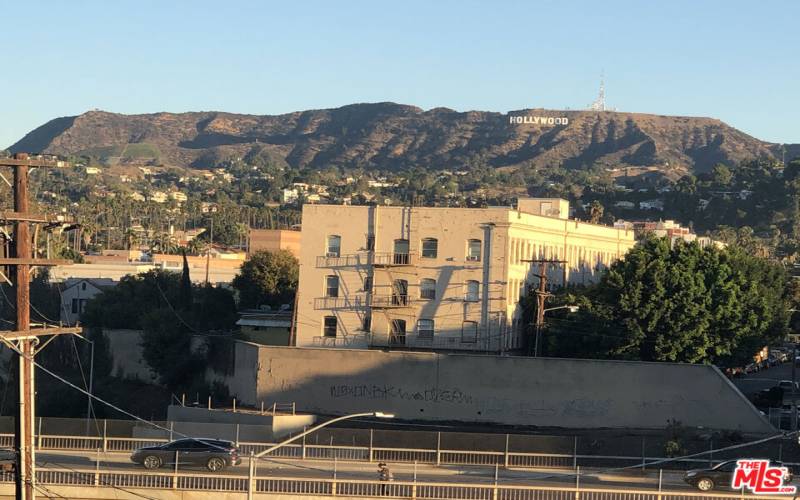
319 469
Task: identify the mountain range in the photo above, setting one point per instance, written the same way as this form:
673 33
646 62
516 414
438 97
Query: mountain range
389 136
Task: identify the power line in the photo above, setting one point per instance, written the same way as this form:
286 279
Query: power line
190 327
110 405
104 483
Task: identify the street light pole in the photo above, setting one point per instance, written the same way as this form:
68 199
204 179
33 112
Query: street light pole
793 420
794 388
91 382
378 414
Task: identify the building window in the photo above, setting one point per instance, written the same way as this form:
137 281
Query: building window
473 290
469 332
401 252
329 326
334 248
331 286
425 329
397 333
474 250
83 286
400 293
74 306
370 242
427 289
367 284
430 248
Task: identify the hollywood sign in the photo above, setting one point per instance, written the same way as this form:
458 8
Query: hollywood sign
538 120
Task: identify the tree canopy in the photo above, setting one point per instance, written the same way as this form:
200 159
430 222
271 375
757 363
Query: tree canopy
267 278
676 302
158 303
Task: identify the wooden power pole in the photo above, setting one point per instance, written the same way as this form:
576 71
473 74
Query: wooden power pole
24 339
541 297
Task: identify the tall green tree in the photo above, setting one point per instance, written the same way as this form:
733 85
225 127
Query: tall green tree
678 302
158 303
267 278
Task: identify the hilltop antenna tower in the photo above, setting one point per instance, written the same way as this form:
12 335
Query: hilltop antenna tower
599 104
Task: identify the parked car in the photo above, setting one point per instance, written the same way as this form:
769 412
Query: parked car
8 460
788 385
754 367
720 475
214 454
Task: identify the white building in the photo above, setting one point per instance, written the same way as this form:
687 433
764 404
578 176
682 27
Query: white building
290 195
75 295
652 205
438 278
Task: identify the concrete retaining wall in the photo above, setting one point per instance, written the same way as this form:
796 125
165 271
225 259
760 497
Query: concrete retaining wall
541 392
126 351
252 426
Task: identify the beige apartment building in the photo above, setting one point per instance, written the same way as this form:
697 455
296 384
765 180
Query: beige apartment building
273 240
437 278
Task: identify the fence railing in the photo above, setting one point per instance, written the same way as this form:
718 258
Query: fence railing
358 488
435 456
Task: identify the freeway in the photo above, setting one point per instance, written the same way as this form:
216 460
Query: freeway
631 479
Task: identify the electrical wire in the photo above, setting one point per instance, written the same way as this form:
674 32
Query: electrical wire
103 401
190 327
3 292
104 483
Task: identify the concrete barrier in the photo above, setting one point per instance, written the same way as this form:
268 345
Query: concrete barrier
518 391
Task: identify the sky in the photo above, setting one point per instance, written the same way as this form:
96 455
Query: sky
733 60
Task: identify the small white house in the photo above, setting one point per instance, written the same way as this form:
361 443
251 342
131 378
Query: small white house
652 205
77 293
290 195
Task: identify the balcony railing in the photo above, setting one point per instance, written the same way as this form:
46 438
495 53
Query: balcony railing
379 259
390 259
346 302
359 340
495 343
350 260
390 301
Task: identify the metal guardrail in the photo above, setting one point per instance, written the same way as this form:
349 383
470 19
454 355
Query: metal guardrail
358 488
305 451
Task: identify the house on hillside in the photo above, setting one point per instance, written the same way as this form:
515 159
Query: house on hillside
266 327
77 293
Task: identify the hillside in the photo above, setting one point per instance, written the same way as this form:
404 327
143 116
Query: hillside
392 136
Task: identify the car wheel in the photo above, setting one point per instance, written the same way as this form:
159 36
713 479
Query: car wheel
151 462
215 464
705 484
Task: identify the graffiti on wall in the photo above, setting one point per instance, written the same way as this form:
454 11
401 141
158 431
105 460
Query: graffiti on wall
384 392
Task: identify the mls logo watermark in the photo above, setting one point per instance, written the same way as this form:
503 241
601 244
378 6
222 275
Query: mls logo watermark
760 478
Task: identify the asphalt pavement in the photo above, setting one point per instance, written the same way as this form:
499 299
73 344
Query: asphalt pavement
631 479
752 383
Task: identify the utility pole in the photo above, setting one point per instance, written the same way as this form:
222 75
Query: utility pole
23 339
541 297
794 389
210 246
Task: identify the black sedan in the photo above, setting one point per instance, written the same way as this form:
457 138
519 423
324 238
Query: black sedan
721 475
214 454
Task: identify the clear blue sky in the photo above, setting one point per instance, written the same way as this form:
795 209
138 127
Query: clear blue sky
728 59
